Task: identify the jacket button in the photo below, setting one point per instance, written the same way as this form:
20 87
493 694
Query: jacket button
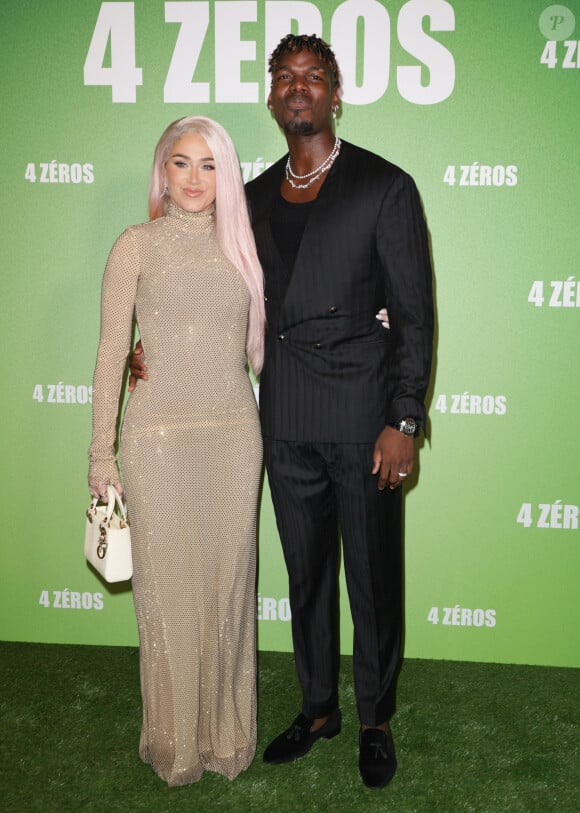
281 337
317 346
333 309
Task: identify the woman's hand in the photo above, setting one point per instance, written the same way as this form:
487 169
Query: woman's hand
383 317
99 489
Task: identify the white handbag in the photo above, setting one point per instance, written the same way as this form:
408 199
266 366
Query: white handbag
108 538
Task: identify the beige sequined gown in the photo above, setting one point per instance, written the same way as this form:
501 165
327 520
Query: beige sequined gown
191 460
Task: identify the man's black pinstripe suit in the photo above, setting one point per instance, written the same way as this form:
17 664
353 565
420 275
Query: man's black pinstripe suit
333 378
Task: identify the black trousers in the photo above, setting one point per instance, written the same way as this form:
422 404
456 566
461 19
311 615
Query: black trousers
316 489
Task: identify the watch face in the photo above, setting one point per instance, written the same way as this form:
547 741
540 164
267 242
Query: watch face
408 426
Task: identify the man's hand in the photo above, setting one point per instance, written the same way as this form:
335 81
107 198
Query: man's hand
393 457
137 366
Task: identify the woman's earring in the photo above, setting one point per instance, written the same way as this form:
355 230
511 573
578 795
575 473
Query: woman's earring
165 190
334 109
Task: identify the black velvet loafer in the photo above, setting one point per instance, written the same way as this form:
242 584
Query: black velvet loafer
377 762
299 739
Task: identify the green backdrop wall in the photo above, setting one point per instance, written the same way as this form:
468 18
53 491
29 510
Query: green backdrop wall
480 103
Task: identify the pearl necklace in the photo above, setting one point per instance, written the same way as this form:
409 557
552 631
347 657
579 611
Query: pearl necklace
316 173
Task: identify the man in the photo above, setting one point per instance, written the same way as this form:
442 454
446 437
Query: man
339 232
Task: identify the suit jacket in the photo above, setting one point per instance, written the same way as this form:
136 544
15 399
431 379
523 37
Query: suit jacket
332 373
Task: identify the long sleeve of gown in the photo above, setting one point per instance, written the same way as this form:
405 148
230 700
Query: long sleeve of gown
117 308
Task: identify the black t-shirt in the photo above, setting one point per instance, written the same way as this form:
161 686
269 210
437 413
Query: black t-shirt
288 221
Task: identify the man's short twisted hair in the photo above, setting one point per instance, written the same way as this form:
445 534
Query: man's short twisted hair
294 43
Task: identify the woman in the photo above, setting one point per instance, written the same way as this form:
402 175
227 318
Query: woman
190 449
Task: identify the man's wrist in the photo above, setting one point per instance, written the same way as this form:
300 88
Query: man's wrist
407 426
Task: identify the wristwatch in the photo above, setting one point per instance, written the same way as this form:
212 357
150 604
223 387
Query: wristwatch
408 426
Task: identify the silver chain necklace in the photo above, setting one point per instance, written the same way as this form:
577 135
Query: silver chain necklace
316 173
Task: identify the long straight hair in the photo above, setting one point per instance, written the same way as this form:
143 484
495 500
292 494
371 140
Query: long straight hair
234 232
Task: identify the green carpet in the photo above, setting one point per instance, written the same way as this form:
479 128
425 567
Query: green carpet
469 737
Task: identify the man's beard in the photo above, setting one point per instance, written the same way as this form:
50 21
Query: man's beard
298 127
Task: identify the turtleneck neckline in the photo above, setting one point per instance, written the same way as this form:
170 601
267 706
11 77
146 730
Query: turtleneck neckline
190 221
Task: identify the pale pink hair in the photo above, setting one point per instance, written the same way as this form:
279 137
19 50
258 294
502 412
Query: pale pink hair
234 232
